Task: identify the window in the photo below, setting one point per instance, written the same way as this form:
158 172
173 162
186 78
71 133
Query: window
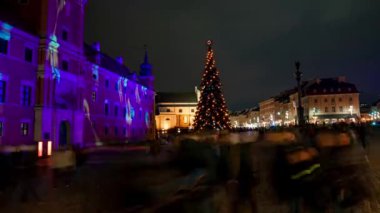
180 110
2 91
26 95
332 100
3 46
350 99
1 128
28 55
185 119
65 65
167 110
124 131
106 108
325 100
192 110
116 111
326 109
333 109
116 131
93 96
107 83
125 112
106 130
65 35
315 101
340 99
340 109
24 128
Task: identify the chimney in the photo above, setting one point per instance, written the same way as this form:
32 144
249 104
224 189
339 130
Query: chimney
120 60
342 79
96 46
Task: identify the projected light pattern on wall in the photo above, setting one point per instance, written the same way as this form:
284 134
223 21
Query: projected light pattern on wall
52 56
5 31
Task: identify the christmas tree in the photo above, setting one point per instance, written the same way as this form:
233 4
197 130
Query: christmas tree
212 113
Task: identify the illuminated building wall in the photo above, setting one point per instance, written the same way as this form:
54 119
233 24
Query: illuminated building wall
176 110
54 88
327 100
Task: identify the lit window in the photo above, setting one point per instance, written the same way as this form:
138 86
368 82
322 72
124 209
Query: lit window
26 95
185 119
2 91
65 35
28 55
65 65
24 128
3 46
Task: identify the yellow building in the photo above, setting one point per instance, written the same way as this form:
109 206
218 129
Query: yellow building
176 110
248 118
326 100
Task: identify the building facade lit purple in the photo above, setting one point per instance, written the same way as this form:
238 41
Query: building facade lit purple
55 88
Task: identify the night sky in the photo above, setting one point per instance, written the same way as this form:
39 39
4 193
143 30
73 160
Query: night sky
256 42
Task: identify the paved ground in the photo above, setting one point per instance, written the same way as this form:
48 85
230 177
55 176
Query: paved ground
120 181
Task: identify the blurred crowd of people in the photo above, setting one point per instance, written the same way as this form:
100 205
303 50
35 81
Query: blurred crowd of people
22 171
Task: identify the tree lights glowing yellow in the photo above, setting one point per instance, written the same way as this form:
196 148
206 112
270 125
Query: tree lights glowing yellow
212 113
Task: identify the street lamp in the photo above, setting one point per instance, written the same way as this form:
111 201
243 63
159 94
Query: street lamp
298 75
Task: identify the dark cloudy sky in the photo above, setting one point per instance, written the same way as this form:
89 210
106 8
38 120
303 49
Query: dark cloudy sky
256 42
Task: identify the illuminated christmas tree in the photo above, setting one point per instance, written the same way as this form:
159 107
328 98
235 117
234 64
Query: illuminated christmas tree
212 113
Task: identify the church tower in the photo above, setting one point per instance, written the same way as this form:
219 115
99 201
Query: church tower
146 74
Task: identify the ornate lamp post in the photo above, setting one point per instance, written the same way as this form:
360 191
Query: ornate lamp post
298 75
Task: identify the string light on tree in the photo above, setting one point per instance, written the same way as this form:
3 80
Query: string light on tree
212 112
